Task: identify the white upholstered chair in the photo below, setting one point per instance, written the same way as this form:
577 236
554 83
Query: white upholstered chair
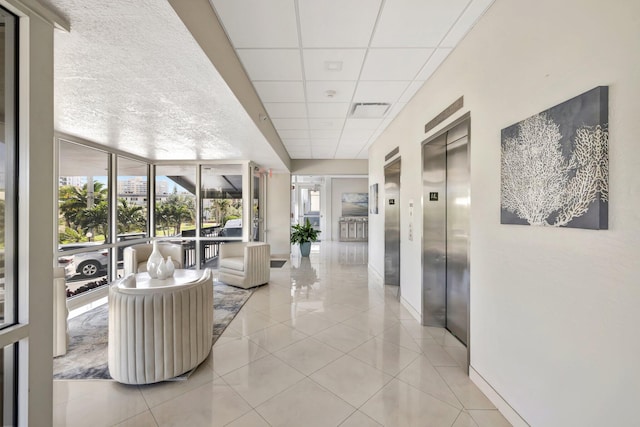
245 264
135 257
158 333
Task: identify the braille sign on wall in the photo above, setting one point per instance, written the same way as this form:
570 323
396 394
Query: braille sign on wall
392 201
433 197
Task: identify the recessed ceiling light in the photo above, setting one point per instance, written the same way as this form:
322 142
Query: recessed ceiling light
333 65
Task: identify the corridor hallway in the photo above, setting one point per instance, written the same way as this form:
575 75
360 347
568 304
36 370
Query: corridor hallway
323 344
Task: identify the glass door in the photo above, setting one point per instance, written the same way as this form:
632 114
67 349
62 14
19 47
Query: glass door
309 205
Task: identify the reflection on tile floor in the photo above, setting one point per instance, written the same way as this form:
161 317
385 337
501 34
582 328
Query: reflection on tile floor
321 345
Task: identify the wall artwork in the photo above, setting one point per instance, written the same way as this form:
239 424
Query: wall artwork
355 204
373 197
555 165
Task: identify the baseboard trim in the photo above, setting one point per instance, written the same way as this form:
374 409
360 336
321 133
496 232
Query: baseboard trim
505 409
377 277
411 310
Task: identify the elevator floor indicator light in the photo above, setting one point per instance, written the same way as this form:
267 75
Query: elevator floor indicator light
433 197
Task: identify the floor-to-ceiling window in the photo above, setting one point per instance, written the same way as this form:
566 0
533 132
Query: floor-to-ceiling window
221 207
132 206
175 196
8 208
83 216
194 205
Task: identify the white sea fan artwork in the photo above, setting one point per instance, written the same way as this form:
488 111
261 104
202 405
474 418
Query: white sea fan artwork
543 185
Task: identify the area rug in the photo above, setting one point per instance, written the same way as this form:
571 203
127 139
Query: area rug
86 357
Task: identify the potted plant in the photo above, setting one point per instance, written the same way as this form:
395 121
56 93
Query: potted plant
303 235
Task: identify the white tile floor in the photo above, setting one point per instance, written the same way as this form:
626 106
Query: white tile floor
321 345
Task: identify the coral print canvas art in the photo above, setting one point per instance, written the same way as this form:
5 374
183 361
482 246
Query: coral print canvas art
555 165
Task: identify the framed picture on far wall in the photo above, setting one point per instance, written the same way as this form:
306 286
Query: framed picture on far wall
373 198
355 204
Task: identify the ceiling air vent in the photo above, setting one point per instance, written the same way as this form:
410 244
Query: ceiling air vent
369 110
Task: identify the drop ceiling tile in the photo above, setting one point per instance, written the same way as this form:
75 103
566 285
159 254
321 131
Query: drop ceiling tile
416 23
346 151
318 63
468 19
289 124
335 124
337 23
256 27
387 92
280 91
356 134
327 109
317 91
282 110
271 64
325 142
394 64
324 151
362 124
410 91
294 134
323 154
324 133
296 142
433 63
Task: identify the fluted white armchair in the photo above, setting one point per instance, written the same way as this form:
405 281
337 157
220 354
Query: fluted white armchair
135 257
157 333
244 264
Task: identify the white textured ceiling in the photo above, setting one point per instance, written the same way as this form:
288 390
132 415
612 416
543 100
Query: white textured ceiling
384 51
131 76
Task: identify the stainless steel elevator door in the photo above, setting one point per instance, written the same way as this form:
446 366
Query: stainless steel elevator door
446 204
457 237
392 224
434 256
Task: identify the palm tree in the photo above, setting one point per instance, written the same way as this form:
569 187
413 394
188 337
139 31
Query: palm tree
95 218
130 217
175 210
220 208
75 200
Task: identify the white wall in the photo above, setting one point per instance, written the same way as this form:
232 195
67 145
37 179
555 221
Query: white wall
554 312
339 186
279 213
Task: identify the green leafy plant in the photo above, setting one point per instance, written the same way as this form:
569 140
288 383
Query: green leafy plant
302 233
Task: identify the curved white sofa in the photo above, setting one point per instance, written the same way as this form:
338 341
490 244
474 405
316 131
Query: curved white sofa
157 333
245 264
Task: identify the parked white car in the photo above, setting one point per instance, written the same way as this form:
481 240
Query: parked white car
86 264
232 228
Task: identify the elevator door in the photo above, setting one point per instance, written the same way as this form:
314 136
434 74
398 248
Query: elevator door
392 224
446 231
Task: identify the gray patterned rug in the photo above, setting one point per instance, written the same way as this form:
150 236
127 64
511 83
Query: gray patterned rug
86 357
